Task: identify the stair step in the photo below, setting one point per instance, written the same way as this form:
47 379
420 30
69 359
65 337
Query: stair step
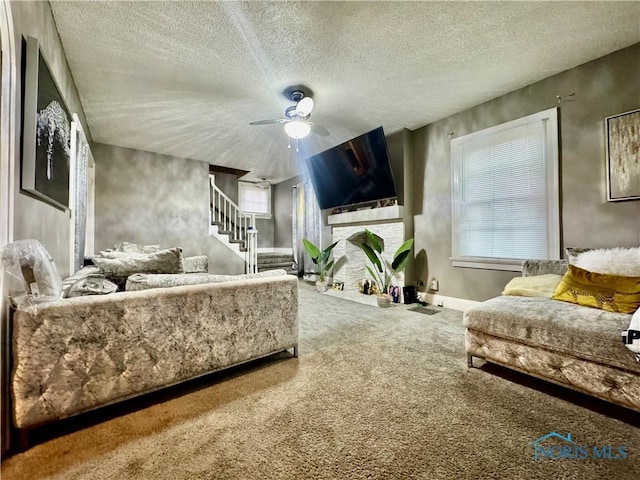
289 270
284 265
268 259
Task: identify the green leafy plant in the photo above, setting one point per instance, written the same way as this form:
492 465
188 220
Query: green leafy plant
320 257
383 273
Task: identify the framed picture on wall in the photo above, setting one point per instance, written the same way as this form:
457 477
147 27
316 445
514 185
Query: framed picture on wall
46 131
623 156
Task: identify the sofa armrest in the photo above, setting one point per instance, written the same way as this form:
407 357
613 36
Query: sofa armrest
531 268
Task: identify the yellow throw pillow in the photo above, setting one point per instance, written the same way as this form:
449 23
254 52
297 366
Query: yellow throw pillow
534 286
606 292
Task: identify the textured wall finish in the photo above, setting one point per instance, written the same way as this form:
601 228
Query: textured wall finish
603 87
265 228
228 183
148 198
282 206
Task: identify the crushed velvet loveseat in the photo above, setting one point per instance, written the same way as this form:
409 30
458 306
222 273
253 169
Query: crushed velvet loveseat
76 354
572 345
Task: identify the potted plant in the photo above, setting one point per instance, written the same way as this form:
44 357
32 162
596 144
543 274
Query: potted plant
321 259
383 273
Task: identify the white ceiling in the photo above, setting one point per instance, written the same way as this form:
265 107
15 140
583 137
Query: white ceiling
186 78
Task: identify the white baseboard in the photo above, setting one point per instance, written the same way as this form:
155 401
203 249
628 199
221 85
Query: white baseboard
460 304
284 250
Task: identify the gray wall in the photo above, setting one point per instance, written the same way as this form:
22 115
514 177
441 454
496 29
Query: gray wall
34 218
149 198
396 147
228 183
266 232
603 87
282 212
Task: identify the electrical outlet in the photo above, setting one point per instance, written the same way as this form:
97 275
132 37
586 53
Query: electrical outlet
434 285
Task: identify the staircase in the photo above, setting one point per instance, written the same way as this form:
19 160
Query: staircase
274 261
233 227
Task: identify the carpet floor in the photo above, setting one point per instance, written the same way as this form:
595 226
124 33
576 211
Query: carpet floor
375 394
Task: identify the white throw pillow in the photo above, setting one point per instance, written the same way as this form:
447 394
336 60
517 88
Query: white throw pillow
613 261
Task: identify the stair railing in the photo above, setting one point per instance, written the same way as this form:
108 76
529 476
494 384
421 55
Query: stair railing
240 227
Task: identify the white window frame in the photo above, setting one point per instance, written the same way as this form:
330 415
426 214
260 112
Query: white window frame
8 124
251 185
549 118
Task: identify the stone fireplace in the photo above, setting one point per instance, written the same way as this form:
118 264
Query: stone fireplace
350 260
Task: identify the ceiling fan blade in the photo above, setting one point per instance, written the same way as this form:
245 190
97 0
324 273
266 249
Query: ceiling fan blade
266 122
304 106
319 129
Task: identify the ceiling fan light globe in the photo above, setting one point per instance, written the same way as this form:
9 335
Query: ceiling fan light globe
304 106
297 130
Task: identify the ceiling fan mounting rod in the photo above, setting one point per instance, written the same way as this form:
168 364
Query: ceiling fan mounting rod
297 95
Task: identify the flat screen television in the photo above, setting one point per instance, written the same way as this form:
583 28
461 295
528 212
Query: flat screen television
356 171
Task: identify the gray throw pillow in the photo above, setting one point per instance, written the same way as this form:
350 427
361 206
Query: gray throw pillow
123 264
197 264
136 248
92 285
83 273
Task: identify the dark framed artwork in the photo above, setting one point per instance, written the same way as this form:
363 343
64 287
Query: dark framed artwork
623 156
46 131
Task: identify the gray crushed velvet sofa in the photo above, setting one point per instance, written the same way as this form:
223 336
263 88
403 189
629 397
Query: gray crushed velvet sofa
571 345
77 354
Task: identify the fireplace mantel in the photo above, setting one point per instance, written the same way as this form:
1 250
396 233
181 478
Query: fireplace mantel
369 216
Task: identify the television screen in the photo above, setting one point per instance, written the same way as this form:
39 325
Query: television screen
356 171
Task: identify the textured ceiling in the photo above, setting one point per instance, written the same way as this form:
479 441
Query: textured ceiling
186 78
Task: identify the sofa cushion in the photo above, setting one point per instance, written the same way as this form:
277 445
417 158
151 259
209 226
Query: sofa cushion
532 268
120 265
533 286
84 272
608 292
579 331
146 281
136 248
196 264
92 285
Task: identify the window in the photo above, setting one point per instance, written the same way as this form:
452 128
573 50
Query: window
254 199
505 205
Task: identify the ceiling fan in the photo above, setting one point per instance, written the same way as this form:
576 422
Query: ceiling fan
263 183
296 117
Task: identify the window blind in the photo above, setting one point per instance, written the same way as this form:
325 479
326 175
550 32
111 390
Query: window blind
502 192
254 199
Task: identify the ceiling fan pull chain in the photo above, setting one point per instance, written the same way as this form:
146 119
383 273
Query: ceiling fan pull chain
297 143
289 141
